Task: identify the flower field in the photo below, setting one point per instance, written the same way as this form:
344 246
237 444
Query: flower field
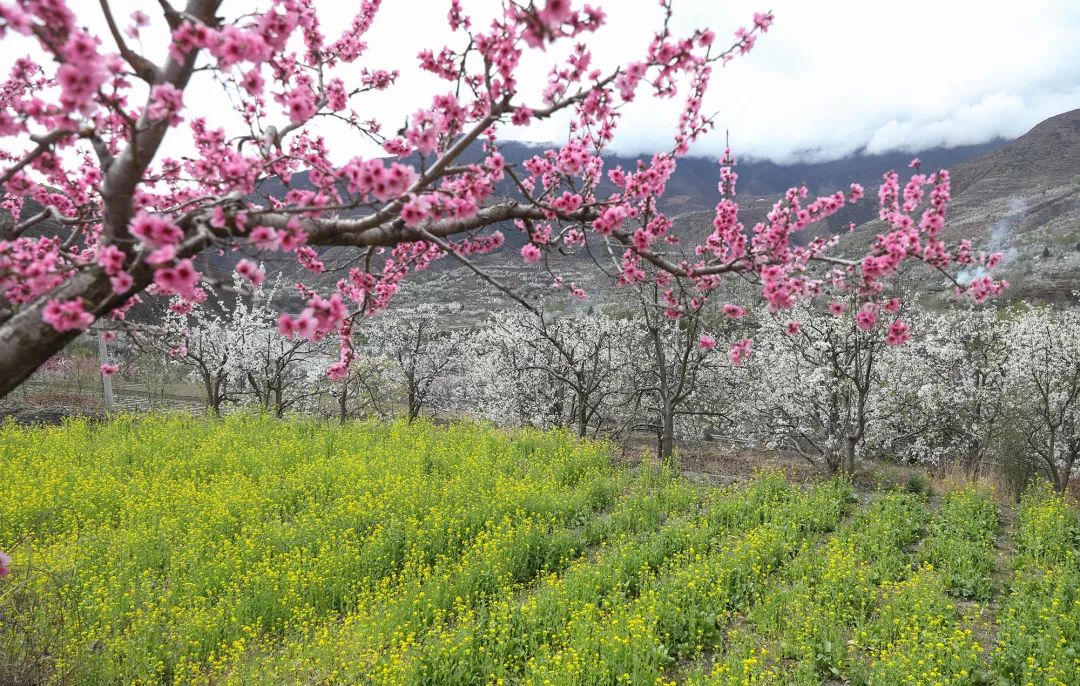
177 550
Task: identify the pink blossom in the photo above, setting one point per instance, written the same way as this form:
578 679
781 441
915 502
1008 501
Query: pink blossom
79 84
866 318
522 116
181 280
734 311
555 12
740 351
122 282
88 90
642 240
337 371
416 210
309 260
264 238
250 271
66 316
165 101
793 328
111 259
287 325
164 254
706 342
892 306
109 369
301 104
5 564
252 82
898 333
836 309
155 230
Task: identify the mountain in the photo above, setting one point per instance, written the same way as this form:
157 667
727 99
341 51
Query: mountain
692 189
1023 199
691 197
1030 172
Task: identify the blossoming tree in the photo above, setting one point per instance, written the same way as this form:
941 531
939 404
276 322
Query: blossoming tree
818 376
422 358
235 350
1043 389
542 370
944 393
99 214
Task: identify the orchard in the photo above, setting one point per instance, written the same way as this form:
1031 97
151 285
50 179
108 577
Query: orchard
115 221
400 481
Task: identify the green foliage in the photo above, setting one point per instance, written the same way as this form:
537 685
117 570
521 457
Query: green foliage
917 636
961 543
253 551
1039 635
797 632
917 484
162 549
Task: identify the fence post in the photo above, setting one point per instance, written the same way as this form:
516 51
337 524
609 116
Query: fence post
103 356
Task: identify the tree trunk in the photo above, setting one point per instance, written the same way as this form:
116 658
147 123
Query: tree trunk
1061 476
213 393
583 416
414 408
343 401
667 435
217 397
848 466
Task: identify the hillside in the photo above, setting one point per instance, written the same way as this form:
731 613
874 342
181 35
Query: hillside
1003 191
691 196
1023 199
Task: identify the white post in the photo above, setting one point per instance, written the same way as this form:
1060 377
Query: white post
103 356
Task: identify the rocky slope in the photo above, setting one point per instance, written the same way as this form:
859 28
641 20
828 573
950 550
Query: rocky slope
1024 200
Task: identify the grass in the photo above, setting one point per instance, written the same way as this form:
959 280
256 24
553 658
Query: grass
170 549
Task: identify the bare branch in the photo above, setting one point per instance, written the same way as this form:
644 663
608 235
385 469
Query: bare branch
144 68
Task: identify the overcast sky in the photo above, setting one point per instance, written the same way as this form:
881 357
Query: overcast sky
831 77
834 76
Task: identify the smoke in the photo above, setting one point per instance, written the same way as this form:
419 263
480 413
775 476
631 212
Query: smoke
998 240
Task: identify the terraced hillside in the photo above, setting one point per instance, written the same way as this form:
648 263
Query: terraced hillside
251 551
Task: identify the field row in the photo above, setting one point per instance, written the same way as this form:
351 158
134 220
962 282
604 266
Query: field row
176 550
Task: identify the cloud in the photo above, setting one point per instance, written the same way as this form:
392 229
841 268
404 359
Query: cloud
1003 114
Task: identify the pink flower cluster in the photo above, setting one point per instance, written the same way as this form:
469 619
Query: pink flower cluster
181 279
250 272
530 253
67 316
30 267
898 333
866 318
373 178
740 351
212 194
319 318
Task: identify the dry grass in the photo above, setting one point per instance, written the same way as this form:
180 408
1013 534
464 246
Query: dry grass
989 482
